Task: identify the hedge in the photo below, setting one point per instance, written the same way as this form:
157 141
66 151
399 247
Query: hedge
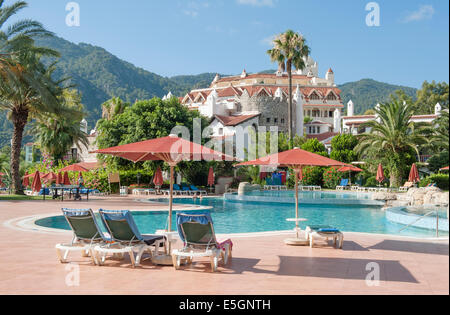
441 180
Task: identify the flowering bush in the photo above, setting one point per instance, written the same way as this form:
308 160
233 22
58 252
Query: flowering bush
331 178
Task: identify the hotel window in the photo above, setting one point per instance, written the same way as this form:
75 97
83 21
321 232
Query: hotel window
330 113
275 120
268 120
282 120
314 96
318 129
220 131
331 97
309 130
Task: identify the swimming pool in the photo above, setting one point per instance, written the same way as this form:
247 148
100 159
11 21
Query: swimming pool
249 217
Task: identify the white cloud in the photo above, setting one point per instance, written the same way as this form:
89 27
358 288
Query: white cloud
425 12
257 3
191 13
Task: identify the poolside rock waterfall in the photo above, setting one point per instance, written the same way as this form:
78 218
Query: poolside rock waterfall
430 196
247 187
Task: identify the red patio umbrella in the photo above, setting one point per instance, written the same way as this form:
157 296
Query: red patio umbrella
171 150
59 179
211 178
350 169
380 174
26 180
158 179
49 177
444 169
74 168
37 184
414 174
66 180
295 159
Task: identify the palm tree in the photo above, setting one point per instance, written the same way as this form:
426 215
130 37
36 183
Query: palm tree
57 133
25 86
392 136
290 50
440 139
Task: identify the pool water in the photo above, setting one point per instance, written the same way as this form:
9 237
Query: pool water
247 217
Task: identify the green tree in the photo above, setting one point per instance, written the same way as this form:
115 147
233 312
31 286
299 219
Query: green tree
393 136
431 94
289 51
440 139
144 120
57 133
315 146
25 85
343 148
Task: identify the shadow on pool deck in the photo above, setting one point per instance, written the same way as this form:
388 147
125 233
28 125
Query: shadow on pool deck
316 267
412 247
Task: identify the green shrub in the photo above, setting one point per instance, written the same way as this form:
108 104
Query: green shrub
371 182
441 180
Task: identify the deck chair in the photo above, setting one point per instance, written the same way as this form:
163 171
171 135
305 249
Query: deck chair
195 190
127 238
343 185
86 234
325 232
197 233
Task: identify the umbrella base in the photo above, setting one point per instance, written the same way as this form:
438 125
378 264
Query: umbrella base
296 241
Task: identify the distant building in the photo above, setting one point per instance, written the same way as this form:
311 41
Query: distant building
262 100
80 152
353 124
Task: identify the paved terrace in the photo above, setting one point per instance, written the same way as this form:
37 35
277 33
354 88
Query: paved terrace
261 264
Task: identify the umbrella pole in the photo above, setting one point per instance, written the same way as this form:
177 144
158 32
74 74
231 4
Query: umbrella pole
296 202
171 198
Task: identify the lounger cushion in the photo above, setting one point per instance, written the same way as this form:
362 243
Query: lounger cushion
151 239
328 231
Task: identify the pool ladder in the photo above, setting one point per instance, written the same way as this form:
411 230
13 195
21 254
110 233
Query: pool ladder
423 217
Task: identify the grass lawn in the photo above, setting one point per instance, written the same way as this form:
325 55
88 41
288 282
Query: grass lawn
19 197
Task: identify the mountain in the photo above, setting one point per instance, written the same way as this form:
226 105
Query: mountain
99 75
366 93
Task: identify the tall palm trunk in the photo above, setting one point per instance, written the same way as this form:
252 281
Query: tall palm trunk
289 71
19 118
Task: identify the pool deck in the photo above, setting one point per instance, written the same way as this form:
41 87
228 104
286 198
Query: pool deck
261 264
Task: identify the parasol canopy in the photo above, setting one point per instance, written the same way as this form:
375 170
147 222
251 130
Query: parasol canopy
49 177
211 178
74 168
37 184
158 179
66 180
380 174
26 180
414 174
444 169
59 179
350 169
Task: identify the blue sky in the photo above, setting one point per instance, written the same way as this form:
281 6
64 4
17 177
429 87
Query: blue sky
174 37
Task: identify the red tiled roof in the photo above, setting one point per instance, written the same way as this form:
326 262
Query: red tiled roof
230 91
423 116
234 120
323 136
356 123
360 116
261 75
